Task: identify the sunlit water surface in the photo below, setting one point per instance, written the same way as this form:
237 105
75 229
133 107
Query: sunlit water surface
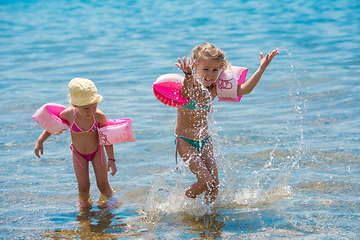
287 154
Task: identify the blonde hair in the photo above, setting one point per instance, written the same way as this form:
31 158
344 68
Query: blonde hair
209 51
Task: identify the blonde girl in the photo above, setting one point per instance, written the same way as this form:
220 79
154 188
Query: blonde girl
193 141
84 118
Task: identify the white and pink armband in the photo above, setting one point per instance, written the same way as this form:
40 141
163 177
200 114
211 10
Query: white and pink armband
227 83
118 130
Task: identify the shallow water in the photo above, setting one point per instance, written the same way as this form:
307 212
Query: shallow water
287 154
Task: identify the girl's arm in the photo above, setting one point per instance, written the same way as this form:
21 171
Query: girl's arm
250 84
102 121
213 91
39 146
188 84
111 163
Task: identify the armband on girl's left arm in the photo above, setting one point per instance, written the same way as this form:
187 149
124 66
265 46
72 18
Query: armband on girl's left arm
228 82
118 131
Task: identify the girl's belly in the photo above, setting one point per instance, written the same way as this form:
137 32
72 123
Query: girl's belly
85 142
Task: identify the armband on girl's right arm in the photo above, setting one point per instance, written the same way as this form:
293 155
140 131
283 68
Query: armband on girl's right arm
48 118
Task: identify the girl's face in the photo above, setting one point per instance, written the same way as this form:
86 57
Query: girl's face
87 111
208 70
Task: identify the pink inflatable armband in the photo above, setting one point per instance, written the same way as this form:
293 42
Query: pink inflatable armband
118 131
227 83
48 118
167 90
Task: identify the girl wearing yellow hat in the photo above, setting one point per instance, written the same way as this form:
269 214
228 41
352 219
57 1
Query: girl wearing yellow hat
84 118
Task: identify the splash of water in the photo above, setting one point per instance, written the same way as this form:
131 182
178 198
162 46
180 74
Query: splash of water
271 183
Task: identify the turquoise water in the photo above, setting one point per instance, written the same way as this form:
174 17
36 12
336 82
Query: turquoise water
287 154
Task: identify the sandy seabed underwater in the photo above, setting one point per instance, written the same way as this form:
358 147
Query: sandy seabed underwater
287 153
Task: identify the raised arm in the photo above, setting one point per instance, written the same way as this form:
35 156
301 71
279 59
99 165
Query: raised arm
250 84
188 84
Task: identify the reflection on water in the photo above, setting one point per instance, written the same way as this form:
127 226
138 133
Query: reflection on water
102 224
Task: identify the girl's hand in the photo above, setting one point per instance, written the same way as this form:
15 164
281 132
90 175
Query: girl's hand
39 143
39 147
266 61
112 165
186 67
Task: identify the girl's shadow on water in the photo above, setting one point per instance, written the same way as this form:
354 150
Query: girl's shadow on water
91 224
94 224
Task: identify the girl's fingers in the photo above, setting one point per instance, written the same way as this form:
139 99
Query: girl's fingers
180 62
38 152
189 62
269 56
185 63
274 53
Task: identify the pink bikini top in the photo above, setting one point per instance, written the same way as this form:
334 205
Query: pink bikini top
75 128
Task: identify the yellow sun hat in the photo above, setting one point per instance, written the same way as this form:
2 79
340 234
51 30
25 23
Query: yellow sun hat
83 92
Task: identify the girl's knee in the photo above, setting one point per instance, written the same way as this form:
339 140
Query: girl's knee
215 188
210 182
216 183
189 193
205 185
211 185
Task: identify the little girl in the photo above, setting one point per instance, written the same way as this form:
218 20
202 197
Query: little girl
84 118
193 141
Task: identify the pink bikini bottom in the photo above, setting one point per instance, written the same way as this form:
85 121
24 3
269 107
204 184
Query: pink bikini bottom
88 157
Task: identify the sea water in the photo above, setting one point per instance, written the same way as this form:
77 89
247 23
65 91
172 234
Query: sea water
287 153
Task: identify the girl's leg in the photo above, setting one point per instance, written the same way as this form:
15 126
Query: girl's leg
198 166
101 173
82 176
208 156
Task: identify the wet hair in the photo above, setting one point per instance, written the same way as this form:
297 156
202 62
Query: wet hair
208 51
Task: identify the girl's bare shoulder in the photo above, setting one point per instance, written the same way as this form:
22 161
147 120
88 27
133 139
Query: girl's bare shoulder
67 114
101 118
99 113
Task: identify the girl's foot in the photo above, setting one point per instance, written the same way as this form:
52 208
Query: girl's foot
111 202
85 204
